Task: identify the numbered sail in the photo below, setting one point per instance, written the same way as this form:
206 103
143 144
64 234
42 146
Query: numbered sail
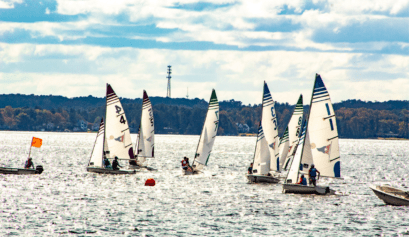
145 144
97 152
294 128
117 135
283 147
322 130
293 173
261 155
208 134
269 123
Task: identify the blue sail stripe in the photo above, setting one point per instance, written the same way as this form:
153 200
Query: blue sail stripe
320 92
320 100
319 97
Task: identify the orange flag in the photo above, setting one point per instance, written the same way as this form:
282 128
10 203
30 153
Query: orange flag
36 142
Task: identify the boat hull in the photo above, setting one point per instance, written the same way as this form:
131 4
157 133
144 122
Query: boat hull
262 179
5 170
186 172
109 171
136 167
391 196
306 189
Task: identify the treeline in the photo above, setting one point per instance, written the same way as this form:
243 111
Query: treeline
355 118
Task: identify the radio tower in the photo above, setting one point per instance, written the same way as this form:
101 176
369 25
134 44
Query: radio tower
169 77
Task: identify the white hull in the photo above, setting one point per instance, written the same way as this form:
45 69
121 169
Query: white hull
305 189
391 196
109 171
262 179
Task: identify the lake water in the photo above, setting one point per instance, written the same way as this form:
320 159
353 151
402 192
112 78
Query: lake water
66 200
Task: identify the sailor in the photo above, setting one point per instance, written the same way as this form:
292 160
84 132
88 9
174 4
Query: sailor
313 175
250 169
107 164
185 163
115 164
29 163
303 180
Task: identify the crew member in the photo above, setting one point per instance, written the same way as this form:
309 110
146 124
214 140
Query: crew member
313 175
115 164
185 163
250 169
29 163
303 180
107 164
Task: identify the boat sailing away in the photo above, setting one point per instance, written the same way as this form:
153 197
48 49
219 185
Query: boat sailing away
35 142
318 143
207 137
113 138
266 164
391 195
146 136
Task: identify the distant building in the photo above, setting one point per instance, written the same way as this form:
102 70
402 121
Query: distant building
242 128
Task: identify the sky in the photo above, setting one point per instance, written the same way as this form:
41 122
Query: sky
73 48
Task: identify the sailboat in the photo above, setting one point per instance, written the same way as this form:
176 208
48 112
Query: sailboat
207 137
113 138
318 143
146 136
266 158
35 142
261 159
289 145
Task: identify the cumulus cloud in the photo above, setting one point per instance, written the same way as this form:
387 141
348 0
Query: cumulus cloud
232 46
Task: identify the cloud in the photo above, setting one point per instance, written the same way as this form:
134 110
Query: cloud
231 45
239 75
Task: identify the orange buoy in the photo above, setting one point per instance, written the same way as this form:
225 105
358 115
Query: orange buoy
150 182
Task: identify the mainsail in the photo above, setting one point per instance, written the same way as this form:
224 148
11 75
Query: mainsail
117 135
208 134
322 131
145 143
283 147
294 127
97 151
293 173
269 123
261 154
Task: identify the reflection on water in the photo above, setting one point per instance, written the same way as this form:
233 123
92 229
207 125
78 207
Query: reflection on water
65 199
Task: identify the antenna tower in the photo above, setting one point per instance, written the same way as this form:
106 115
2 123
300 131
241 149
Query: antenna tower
169 77
187 93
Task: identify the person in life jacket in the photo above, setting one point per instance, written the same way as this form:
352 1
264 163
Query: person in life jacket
250 169
185 164
107 164
303 180
313 175
29 163
115 164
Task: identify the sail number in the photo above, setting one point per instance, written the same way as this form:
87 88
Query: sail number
273 114
118 110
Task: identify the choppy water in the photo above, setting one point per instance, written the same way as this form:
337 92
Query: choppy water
67 200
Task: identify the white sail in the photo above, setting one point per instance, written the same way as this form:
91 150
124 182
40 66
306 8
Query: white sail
269 124
261 154
283 147
117 135
208 134
146 138
294 128
322 130
97 152
293 173
306 159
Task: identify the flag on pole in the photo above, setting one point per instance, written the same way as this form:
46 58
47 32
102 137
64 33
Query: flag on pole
36 142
